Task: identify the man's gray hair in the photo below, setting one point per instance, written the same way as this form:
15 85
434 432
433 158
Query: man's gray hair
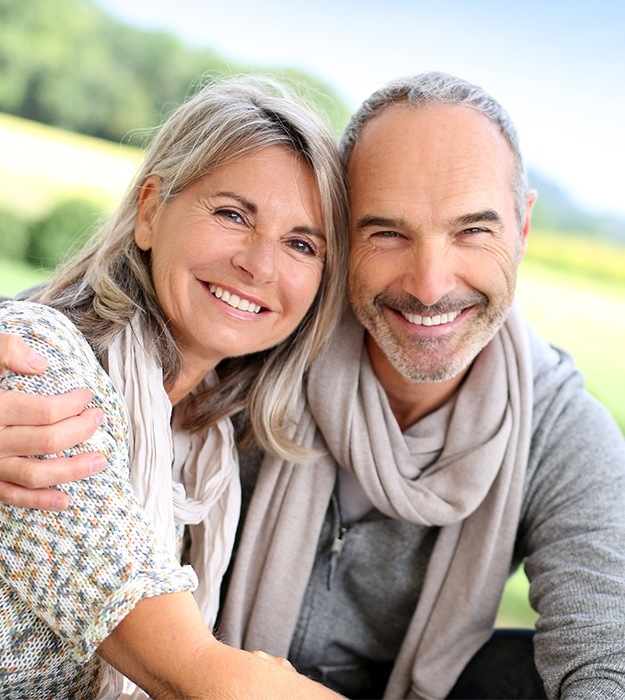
440 88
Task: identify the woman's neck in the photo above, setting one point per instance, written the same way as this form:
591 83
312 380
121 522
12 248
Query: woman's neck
186 382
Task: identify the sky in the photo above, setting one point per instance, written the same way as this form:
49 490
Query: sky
557 66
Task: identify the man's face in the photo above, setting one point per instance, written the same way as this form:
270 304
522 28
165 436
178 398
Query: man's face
435 241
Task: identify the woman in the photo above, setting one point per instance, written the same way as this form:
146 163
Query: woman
229 251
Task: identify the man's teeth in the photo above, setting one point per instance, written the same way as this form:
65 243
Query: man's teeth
234 300
439 320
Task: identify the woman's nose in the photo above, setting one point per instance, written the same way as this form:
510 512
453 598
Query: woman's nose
258 259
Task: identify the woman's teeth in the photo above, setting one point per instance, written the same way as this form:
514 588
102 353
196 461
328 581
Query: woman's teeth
234 300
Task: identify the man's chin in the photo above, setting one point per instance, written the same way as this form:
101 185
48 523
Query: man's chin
429 375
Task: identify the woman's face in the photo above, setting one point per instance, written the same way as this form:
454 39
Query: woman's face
237 256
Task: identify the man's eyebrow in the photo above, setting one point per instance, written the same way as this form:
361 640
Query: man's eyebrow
397 224
370 220
488 215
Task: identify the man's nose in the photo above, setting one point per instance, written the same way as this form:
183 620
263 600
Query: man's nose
429 275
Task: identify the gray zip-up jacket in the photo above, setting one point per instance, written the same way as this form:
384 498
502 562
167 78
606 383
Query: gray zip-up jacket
571 535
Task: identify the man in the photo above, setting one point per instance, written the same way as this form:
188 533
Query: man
454 442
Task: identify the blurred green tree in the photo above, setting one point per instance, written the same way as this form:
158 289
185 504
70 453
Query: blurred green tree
69 63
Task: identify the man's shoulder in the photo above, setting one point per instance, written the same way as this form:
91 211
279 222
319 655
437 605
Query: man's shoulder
552 366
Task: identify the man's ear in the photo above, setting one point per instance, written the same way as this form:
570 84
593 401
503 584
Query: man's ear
527 220
149 201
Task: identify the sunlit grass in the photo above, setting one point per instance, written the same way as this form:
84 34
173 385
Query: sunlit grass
585 317
41 165
515 610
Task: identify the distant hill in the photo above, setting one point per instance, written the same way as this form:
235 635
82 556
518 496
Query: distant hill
556 211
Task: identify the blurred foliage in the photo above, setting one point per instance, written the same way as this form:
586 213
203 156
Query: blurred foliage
13 235
69 63
514 609
17 276
578 254
62 232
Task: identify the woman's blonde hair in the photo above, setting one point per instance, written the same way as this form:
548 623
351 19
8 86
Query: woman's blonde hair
102 288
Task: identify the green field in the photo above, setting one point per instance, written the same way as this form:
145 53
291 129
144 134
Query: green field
573 291
41 165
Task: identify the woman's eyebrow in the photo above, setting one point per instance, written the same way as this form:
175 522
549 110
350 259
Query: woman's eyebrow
253 209
250 206
311 231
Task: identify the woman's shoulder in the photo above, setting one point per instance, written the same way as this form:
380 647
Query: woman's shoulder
48 331
37 321
27 312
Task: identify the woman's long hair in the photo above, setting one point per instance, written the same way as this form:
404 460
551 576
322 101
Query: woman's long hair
110 282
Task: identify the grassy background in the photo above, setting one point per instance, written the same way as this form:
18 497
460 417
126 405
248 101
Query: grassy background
41 165
571 289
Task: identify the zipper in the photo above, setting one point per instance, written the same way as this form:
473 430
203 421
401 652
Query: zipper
339 540
335 554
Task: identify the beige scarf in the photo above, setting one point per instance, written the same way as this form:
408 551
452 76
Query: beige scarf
472 491
191 478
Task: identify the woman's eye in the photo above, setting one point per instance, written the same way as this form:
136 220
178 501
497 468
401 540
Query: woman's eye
302 246
230 215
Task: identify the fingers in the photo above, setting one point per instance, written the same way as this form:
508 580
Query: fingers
16 355
18 408
49 439
23 479
42 499
41 425
39 473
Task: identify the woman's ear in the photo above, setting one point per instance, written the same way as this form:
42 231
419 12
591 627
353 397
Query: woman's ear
149 201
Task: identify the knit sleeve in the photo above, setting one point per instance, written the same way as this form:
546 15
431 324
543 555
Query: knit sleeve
82 570
573 535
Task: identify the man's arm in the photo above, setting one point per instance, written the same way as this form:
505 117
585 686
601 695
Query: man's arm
37 425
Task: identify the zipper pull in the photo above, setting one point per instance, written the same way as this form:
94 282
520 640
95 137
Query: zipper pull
335 554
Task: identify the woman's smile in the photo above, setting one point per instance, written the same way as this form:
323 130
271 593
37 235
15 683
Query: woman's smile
250 235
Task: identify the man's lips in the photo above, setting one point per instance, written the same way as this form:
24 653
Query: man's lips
236 301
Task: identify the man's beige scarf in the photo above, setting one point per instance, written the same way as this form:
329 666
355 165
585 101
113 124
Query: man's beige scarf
464 475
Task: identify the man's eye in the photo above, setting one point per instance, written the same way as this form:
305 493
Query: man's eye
472 231
385 234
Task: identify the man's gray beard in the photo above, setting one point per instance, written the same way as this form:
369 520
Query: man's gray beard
417 372
424 369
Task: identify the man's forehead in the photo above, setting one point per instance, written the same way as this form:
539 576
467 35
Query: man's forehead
432 132
430 146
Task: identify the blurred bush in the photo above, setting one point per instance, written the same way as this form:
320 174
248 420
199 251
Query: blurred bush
65 229
14 236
